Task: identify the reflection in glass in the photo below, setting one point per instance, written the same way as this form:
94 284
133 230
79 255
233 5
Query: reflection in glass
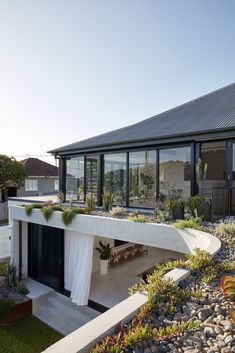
214 154
175 171
91 175
115 176
75 179
142 176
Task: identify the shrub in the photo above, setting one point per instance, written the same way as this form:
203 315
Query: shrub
5 305
90 201
193 223
29 208
199 260
47 212
107 199
68 214
138 218
22 289
3 268
10 276
193 204
117 211
226 229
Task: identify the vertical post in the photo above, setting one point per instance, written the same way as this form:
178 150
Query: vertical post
157 174
62 176
20 250
195 155
127 179
99 179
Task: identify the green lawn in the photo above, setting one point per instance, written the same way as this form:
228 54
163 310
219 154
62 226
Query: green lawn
27 336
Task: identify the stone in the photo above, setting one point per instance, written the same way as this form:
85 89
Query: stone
209 331
147 350
204 313
163 349
177 317
229 339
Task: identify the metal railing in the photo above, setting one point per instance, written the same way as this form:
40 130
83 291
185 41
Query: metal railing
223 202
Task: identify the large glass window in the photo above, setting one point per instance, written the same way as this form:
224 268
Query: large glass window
75 179
142 177
214 154
115 176
91 174
175 170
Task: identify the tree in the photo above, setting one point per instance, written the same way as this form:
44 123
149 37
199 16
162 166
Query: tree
12 173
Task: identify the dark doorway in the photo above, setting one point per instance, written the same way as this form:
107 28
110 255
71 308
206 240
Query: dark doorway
46 255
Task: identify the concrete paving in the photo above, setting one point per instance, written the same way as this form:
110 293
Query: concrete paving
57 310
109 290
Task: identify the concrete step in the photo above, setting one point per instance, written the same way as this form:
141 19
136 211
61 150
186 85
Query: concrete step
61 314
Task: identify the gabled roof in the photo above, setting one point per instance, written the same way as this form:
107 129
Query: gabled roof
212 112
37 167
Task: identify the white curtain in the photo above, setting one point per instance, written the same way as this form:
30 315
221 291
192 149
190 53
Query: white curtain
78 265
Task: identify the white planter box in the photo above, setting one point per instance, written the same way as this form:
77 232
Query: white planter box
104 267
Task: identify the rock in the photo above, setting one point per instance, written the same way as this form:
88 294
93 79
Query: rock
154 349
167 322
225 350
163 349
177 317
147 350
209 331
229 339
227 325
204 313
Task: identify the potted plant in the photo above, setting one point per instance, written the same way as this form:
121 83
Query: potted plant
105 252
175 203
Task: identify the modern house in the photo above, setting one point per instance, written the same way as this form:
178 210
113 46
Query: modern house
137 163
140 161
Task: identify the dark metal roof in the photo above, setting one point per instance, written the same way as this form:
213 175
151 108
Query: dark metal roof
212 112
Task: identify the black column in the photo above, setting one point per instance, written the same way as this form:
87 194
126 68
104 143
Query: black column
99 179
62 176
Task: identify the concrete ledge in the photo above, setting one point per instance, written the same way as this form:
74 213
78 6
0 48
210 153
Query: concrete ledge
83 339
161 236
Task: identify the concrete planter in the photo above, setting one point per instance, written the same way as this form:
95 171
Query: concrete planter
104 267
17 312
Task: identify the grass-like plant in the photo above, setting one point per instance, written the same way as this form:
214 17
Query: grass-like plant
29 208
22 289
90 201
117 211
68 214
138 218
107 199
201 259
10 276
226 229
193 223
47 212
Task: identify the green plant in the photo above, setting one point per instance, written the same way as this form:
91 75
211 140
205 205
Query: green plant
10 276
201 259
226 229
68 214
193 223
210 273
174 205
105 250
29 208
3 268
138 218
90 201
117 211
22 289
107 199
47 212
193 204
201 172
5 306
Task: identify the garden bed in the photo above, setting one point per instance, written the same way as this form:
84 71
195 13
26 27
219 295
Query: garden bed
17 312
194 318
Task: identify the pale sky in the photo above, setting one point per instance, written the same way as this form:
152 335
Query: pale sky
74 69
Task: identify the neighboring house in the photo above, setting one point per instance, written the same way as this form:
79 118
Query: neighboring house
42 178
137 163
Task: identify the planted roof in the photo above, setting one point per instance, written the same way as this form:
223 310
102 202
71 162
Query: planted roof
212 112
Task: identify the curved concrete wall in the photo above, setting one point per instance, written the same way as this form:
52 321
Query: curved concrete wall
152 234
